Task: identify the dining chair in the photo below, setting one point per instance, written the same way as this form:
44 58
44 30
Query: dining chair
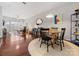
46 40
61 38
39 31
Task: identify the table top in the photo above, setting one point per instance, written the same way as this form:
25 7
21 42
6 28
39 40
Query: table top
51 31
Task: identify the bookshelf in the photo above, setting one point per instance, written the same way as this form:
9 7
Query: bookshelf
74 30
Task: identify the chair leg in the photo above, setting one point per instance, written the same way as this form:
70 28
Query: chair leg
41 44
52 44
47 47
61 46
63 43
39 38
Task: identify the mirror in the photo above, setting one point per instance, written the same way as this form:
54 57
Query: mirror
39 21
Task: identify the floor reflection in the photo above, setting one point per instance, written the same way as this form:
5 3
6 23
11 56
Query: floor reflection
15 45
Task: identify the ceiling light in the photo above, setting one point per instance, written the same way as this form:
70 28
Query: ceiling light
24 2
49 16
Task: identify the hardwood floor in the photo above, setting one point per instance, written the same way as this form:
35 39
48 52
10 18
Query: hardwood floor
15 45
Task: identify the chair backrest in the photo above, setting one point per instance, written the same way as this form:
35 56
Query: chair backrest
42 34
44 28
62 33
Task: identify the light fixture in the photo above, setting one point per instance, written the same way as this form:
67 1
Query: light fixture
49 16
24 3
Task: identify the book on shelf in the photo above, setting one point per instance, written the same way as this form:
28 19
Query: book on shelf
76 33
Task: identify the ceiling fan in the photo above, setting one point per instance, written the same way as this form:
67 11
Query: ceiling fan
24 3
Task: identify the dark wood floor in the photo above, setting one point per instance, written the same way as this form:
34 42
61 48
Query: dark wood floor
15 46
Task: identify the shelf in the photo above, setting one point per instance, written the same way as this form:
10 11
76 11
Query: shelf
77 33
75 14
76 27
75 40
75 20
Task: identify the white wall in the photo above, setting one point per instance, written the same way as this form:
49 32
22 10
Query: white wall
66 10
1 22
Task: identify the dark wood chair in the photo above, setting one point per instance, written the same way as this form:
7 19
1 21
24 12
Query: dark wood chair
45 39
39 32
4 36
61 38
24 33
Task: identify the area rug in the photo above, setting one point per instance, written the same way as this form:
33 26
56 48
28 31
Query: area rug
69 49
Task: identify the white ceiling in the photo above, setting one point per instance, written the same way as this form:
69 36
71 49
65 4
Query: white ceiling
19 10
